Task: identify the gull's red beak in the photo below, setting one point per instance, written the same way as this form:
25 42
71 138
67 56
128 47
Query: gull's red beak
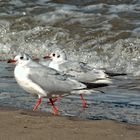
34 58
47 57
12 61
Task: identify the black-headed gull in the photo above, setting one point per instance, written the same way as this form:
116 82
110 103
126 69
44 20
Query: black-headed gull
61 63
81 71
43 81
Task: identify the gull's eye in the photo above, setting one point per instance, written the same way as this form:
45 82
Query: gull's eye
21 57
53 54
58 56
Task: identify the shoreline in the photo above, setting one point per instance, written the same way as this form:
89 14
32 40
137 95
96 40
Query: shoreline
26 125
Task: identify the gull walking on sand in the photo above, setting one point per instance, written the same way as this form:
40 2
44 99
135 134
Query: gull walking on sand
79 70
44 81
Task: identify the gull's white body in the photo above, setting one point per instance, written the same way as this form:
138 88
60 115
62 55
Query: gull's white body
21 76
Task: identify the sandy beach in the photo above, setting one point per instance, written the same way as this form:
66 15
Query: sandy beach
17 124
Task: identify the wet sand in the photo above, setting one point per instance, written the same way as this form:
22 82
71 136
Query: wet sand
18 124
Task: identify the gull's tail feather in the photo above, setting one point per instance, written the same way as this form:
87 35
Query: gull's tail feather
99 83
111 74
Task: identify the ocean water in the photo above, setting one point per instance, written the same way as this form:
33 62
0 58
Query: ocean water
105 34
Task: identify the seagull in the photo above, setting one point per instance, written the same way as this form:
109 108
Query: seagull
79 70
43 81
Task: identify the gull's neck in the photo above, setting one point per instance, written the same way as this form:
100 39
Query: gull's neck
55 64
